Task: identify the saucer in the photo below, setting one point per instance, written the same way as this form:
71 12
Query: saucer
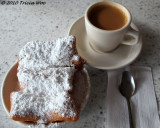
81 90
120 57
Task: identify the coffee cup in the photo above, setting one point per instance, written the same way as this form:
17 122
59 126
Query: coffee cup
108 24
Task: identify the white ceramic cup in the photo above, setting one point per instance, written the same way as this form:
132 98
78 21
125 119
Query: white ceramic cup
107 40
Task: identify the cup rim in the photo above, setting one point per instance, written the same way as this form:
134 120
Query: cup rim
109 2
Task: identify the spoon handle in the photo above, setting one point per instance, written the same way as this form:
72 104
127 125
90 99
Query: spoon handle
130 113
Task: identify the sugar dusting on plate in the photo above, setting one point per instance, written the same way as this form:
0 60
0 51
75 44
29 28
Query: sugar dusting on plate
51 125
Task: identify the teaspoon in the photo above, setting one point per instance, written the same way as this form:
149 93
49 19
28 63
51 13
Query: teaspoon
127 89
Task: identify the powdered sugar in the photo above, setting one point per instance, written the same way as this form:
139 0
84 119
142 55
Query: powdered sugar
39 55
45 75
42 80
46 92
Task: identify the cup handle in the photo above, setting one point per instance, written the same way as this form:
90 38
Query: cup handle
131 37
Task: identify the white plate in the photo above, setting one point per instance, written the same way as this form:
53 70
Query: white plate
118 58
81 89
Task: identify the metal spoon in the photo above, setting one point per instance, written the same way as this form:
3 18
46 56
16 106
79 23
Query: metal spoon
127 89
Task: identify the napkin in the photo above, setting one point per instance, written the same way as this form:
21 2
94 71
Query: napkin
143 102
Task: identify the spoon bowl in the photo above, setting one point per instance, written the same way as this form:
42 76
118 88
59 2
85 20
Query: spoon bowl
127 86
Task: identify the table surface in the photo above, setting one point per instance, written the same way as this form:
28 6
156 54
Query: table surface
22 23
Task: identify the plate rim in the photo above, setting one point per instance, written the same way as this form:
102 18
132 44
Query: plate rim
2 97
2 87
